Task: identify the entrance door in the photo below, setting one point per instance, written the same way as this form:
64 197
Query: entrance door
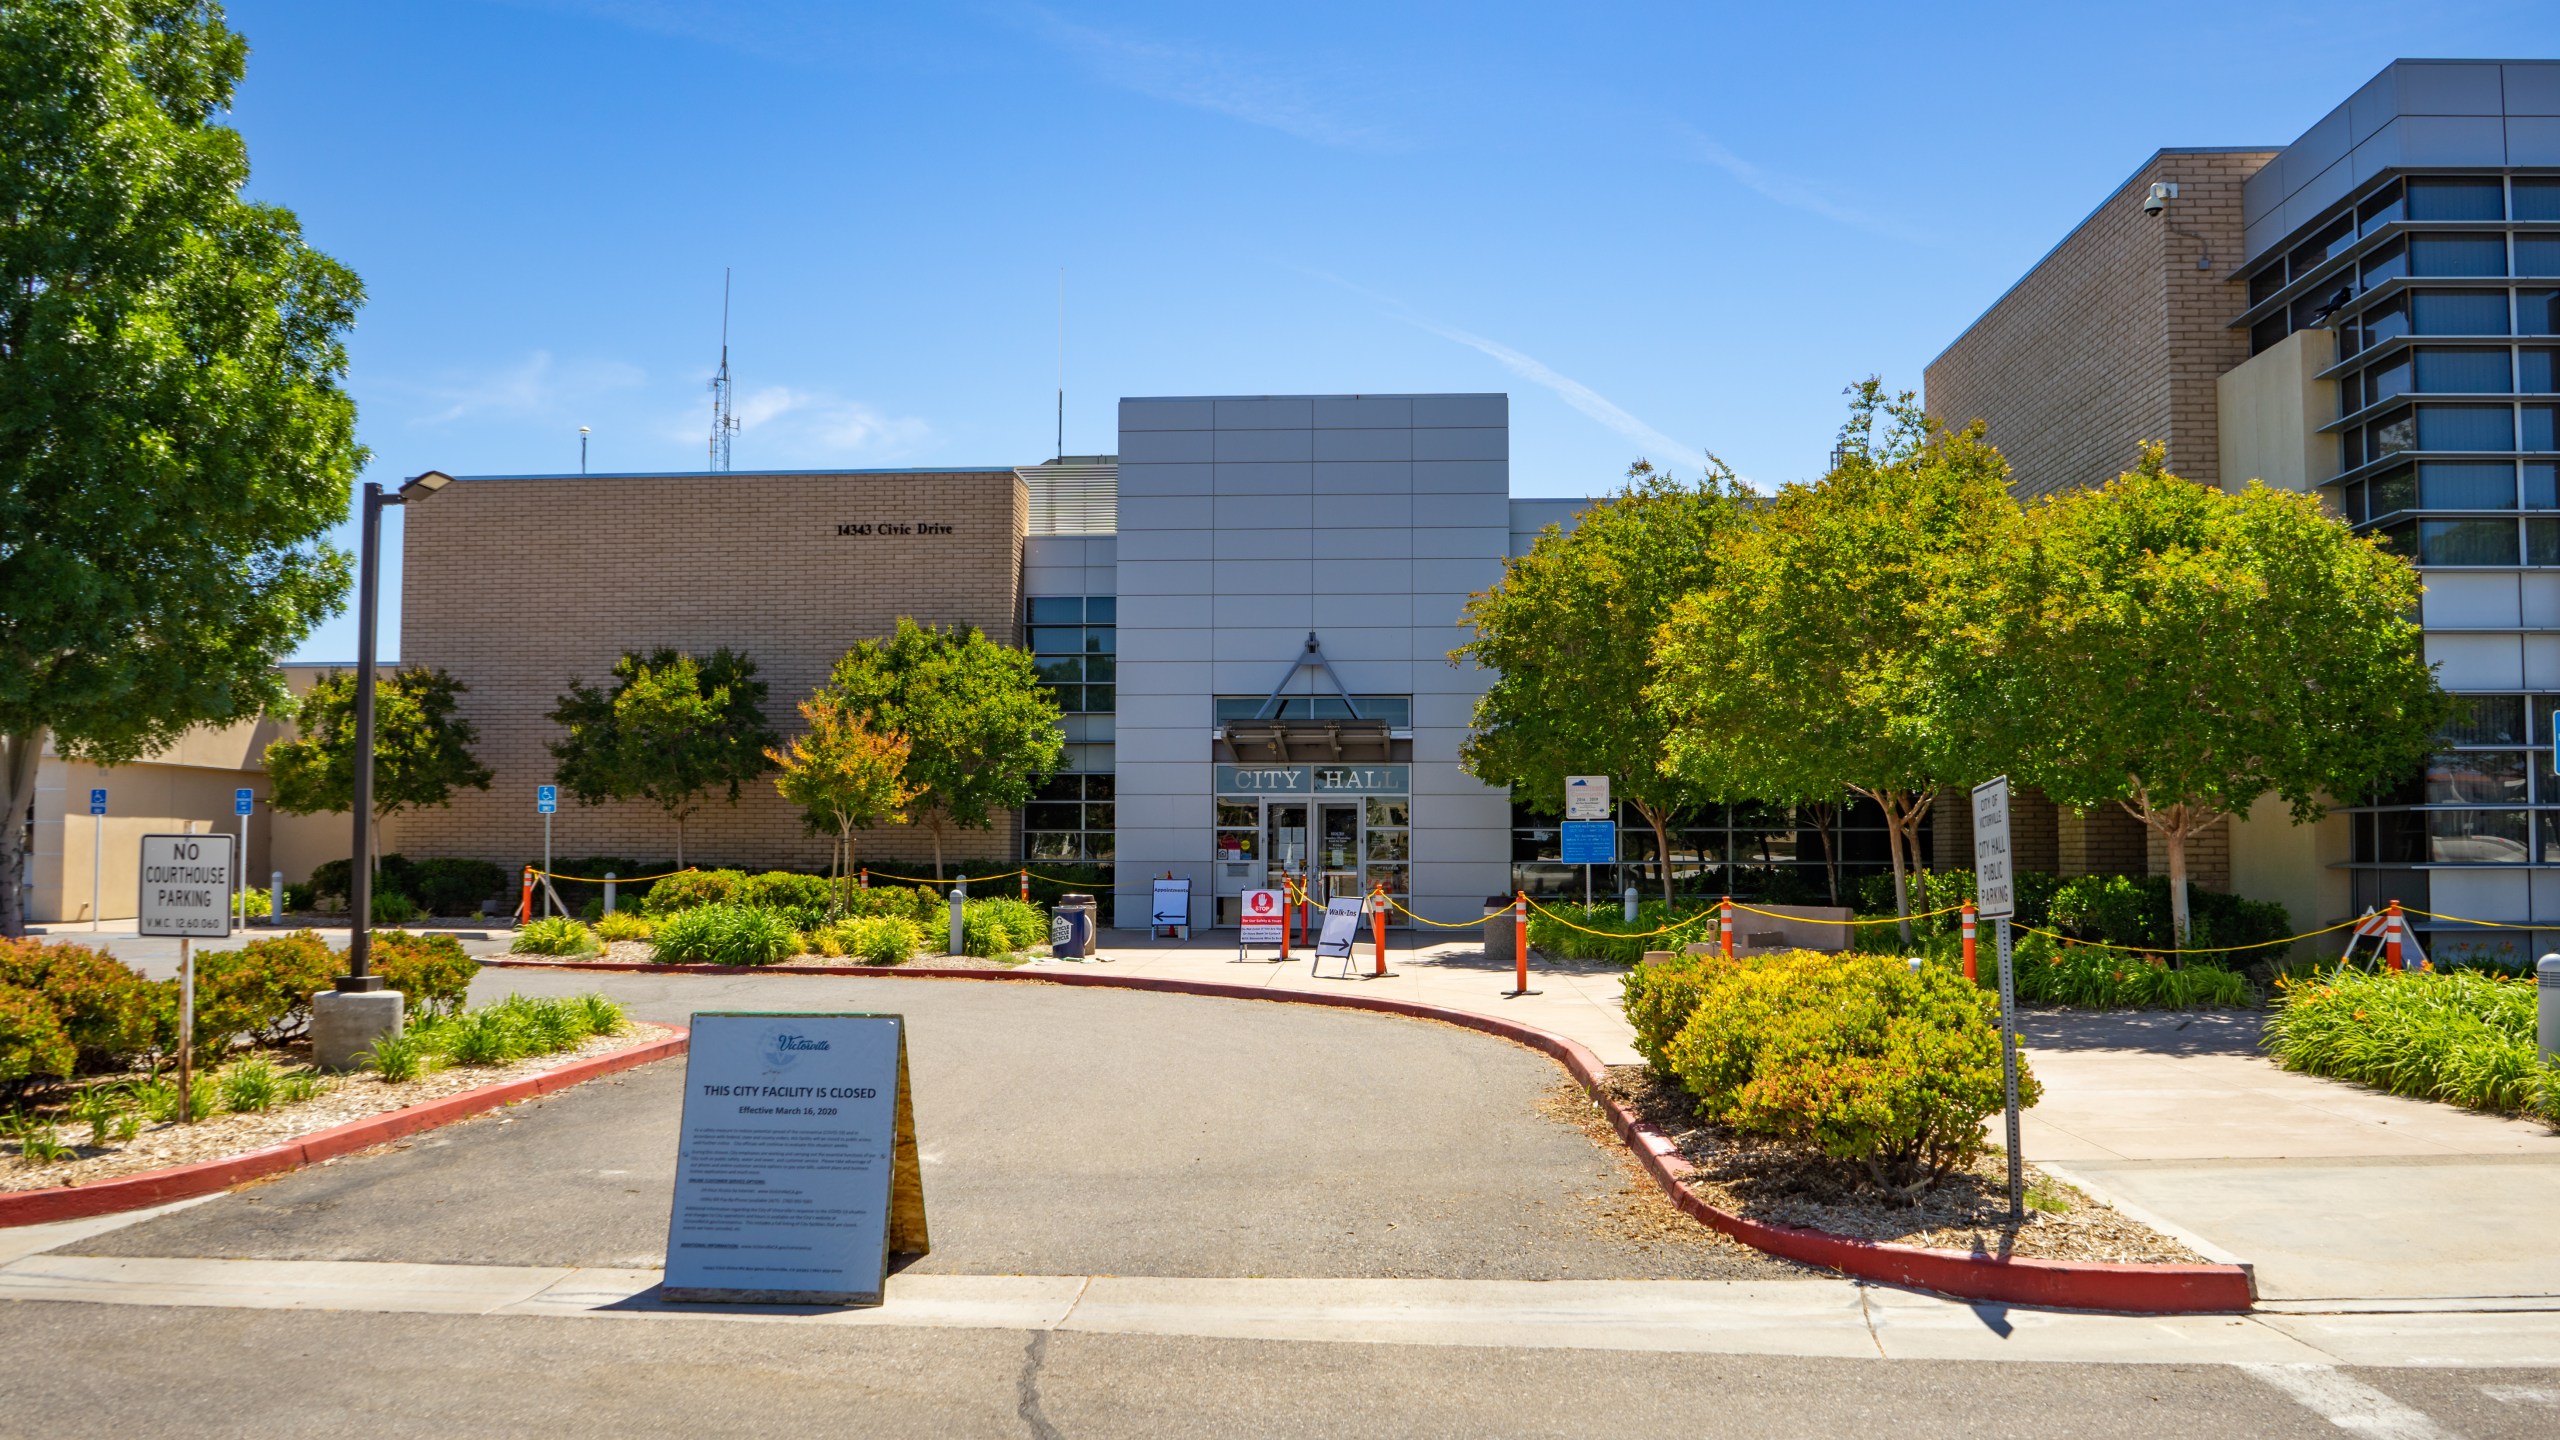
1338 848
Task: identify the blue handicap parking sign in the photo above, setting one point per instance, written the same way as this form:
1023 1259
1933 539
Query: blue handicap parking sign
546 798
97 802
244 802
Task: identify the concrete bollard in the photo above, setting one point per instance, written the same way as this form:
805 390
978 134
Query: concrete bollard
275 897
344 1025
609 878
959 941
2546 1007
1631 904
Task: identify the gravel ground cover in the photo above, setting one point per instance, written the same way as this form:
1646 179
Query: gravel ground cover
354 1096
1967 1211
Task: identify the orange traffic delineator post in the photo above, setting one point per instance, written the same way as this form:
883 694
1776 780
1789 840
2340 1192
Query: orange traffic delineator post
2391 924
1288 911
1519 946
1968 941
1724 926
866 877
1378 926
524 911
1026 884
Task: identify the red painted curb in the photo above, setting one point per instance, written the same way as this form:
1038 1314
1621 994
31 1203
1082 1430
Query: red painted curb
2061 1284
182 1182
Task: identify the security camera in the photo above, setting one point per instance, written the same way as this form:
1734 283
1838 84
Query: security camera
2162 192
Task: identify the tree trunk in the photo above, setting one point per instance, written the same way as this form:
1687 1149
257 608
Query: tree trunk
678 817
18 756
934 824
1903 812
1825 819
1660 820
2175 823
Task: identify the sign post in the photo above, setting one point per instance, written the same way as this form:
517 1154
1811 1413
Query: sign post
1586 804
243 801
546 798
97 848
796 1167
1996 888
186 892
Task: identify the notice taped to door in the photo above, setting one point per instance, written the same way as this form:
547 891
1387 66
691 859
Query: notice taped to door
796 1169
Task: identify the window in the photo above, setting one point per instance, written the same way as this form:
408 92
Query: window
2467 197
2467 485
2387 321
2466 427
2476 777
2538 312
2388 263
2265 283
2467 542
2538 421
2268 332
2384 381
2536 199
2458 312
2381 208
2541 485
2535 371
2485 720
2395 490
2457 254
2538 254
1072 639
1396 710
2308 255
2465 371
2478 837
2542 545
1070 820
2391 434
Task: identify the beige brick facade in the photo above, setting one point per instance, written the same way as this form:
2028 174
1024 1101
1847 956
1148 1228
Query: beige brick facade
2113 339
518 585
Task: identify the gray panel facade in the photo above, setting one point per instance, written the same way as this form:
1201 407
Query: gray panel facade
1366 518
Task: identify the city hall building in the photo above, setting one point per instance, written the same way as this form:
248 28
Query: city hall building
2371 314
1246 615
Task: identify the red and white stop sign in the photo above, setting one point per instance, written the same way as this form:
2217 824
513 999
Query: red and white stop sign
1262 910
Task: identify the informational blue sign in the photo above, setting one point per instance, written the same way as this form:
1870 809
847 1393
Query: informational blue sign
244 802
546 798
1590 842
97 802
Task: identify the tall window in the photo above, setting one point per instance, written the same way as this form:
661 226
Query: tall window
1075 639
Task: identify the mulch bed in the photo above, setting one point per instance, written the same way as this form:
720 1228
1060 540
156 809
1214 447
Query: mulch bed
637 952
1968 1211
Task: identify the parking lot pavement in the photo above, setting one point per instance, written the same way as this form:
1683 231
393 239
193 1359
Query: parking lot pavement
1063 1132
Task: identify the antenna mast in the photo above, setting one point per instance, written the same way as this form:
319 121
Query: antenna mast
724 414
1062 362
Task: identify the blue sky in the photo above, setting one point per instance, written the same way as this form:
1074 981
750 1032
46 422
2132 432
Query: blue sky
1662 229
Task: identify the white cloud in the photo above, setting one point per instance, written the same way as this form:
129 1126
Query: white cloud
1239 87
1658 446
780 415
533 388
1787 190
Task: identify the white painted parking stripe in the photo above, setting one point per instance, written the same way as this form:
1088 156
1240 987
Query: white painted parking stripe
2348 1403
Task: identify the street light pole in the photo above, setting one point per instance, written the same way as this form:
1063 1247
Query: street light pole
360 977
582 449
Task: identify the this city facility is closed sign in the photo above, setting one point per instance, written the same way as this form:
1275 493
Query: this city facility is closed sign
796 1173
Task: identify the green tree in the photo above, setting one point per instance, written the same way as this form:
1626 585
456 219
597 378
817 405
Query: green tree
844 773
982 731
2181 652
670 730
421 748
1813 664
1568 633
175 436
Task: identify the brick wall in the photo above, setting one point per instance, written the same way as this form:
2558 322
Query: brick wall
2031 831
2208 856
2115 338
515 586
2100 841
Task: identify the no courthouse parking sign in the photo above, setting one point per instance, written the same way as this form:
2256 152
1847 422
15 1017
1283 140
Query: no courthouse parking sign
186 886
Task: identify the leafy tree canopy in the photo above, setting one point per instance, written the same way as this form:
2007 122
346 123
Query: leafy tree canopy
1812 664
1568 633
2181 652
669 731
844 773
175 435
982 731
421 748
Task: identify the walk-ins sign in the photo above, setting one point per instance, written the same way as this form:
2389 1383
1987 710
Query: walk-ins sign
796 1168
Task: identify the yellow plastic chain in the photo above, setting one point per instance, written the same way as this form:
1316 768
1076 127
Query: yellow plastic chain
1871 920
2195 950
612 880
1445 925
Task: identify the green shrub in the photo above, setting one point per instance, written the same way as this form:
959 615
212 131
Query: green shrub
1659 1000
1619 942
871 939
553 935
1859 1057
922 907
248 1086
603 1016
2134 914
692 889
486 1036
33 1045
433 971
158 1099
111 1013
996 925
2460 1037
785 890
390 907
301 899
2099 977
621 925
262 990
457 887
724 935
394 875
39 1143
399 1058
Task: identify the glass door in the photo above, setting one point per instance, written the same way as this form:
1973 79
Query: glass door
1338 848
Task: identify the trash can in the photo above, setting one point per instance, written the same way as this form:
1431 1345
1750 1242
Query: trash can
1071 928
1498 932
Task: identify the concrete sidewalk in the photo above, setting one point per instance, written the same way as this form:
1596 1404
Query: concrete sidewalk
2332 1191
